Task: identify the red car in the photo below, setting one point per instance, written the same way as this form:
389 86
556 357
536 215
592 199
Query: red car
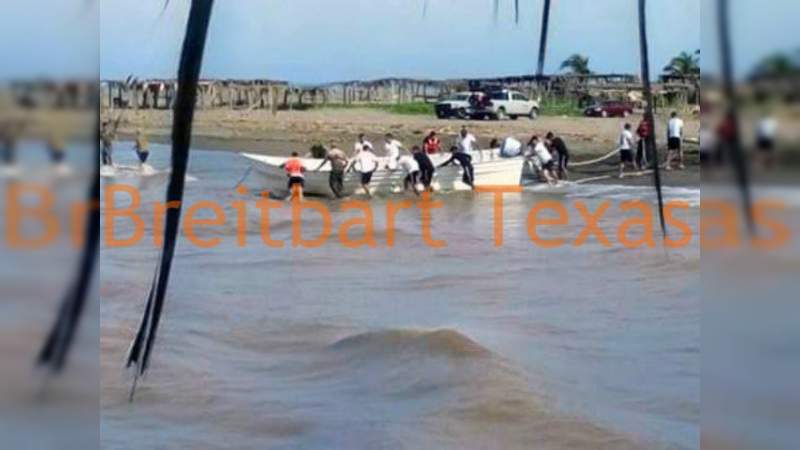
609 109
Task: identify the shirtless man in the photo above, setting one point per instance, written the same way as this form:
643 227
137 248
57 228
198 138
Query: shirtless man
338 160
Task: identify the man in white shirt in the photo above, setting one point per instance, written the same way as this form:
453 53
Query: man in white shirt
674 138
367 163
625 149
361 144
544 158
393 148
467 141
409 165
708 143
766 130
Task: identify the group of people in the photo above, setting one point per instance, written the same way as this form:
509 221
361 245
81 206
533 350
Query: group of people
415 163
630 144
715 142
549 157
108 133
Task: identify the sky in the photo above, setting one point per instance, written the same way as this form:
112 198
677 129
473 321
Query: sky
313 41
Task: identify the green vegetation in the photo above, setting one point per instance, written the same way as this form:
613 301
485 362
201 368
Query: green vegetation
777 65
577 65
410 108
684 65
548 107
560 107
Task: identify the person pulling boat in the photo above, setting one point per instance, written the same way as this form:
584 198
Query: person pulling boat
338 160
465 161
361 144
543 159
107 138
432 144
142 147
295 171
410 166
9 133
393 148
426 167
55 145
467 142
367 164
559 149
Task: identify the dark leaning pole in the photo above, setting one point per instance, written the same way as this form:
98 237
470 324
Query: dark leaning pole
735 145
650 142
543 38
188 76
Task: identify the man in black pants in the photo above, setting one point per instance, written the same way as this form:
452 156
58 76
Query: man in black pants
426 168
465 161
557 147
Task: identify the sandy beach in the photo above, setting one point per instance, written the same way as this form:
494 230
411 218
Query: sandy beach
262 132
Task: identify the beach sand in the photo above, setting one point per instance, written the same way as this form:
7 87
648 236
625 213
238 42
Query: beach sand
261 132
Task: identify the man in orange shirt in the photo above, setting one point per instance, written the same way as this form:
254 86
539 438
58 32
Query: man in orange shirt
295 171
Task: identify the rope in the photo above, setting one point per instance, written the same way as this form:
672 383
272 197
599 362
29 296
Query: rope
244 177
594 161
607 177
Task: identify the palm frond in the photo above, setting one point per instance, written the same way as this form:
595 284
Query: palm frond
58 343
188 77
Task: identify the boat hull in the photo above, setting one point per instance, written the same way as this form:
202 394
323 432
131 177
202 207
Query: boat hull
490 170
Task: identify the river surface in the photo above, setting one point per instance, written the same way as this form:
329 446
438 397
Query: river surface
469 346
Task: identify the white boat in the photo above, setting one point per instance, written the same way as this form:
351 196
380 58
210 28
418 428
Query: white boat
490 170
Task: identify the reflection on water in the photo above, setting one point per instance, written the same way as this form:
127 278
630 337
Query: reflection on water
468 346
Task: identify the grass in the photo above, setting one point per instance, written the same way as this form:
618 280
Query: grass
560 107
410 108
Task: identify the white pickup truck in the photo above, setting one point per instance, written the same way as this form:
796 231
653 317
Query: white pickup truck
506 103
496 104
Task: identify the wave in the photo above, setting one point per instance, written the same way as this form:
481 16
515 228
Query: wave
466 395
446 343
646 193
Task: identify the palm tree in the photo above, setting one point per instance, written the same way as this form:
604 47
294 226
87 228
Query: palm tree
54 352
684 65
577 64
777 65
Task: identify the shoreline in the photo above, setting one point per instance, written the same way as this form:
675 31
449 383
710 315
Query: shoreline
261 132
